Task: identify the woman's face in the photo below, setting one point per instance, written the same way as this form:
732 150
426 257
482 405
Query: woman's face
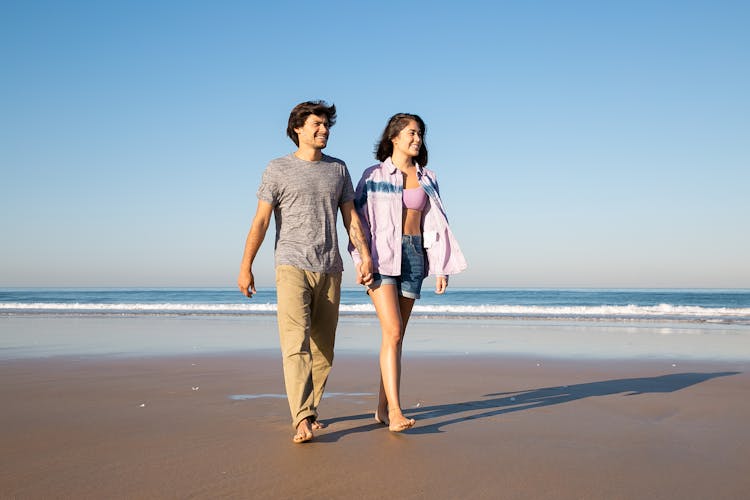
409 140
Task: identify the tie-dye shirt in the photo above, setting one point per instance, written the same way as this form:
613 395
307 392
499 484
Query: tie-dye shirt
378 199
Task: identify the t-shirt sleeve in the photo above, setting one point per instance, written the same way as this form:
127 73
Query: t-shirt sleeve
268 190
347 194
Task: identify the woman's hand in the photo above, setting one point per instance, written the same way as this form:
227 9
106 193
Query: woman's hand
441 283
364 274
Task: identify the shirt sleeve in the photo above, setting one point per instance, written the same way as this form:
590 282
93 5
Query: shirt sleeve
435 181
347 193
268 190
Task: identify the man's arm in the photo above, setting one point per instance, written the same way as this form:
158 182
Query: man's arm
357 238
246 280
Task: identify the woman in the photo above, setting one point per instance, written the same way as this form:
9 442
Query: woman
399 202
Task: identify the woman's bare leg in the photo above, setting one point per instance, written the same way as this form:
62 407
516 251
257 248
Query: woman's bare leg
381 412
391 309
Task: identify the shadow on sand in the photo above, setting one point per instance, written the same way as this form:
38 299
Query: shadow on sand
506 402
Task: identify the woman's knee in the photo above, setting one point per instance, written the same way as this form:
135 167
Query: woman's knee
392 333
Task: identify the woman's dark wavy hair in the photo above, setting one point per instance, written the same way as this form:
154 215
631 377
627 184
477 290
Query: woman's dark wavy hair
396 124
304 109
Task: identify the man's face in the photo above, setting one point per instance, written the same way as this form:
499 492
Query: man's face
314 133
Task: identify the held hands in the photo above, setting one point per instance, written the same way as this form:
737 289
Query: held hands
441 284
364 273
246 282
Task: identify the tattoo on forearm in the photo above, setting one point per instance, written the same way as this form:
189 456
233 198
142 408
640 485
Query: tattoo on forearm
357 237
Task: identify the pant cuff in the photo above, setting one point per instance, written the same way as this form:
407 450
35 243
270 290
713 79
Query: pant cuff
303 416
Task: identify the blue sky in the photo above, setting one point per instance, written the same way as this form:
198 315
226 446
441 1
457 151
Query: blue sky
577 144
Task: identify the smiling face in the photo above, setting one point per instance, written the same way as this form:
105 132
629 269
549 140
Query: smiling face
314 133
409 140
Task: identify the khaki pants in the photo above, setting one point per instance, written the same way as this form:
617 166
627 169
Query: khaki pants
308 312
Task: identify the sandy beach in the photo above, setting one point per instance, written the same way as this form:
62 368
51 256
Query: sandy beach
216 425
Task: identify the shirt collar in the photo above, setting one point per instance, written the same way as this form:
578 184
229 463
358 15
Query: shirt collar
389 167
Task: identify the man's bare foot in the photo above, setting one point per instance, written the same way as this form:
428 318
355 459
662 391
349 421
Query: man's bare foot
304 432
381 416
398 422
317 425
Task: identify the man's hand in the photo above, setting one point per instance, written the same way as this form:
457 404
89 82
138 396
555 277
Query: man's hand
364 272
246 282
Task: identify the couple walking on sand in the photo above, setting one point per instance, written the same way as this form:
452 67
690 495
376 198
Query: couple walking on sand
398 234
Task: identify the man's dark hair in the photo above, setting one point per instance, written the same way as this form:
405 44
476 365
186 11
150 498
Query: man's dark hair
396 124
304 109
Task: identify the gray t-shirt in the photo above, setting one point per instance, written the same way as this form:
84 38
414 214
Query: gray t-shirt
306 196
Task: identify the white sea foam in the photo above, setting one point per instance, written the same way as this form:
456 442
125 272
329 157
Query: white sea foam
590 311
164 308
633 312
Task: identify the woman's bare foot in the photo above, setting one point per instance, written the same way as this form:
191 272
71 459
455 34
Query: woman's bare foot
398 422
381 416
304 432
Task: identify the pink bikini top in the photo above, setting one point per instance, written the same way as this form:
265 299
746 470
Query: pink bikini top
415 198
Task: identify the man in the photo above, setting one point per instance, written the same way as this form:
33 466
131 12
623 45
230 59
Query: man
305 190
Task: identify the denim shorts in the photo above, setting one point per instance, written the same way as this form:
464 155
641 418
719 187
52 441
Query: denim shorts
409 284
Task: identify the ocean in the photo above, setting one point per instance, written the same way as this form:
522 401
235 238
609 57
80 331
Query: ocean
581 323
722 306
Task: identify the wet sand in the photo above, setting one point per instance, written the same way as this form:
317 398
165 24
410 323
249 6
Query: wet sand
488 426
